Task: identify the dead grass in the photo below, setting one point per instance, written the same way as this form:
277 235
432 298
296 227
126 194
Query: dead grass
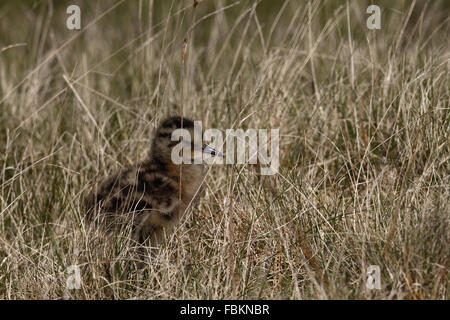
364 124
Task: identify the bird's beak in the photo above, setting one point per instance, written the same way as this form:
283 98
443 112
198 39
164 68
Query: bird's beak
211 151
205 149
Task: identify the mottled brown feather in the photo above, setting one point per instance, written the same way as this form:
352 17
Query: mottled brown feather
145 196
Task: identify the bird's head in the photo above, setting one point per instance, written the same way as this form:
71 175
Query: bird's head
167 138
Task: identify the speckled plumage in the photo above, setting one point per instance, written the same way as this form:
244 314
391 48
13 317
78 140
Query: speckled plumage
146 195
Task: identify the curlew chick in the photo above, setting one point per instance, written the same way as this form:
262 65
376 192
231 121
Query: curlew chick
145 196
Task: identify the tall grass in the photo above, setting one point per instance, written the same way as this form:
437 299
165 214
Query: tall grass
364 146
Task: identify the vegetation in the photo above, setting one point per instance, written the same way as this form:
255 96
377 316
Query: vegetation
364 146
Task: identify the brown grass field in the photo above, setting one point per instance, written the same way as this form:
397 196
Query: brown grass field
364 146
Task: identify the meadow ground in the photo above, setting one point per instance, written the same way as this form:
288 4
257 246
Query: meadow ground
364 146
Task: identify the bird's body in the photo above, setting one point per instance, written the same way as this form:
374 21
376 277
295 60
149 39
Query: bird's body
146 196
